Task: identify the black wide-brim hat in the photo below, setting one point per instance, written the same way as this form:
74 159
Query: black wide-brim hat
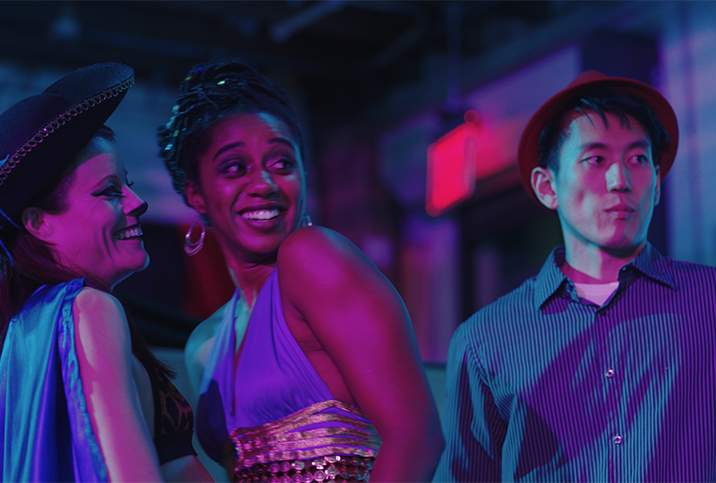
42 134
588 83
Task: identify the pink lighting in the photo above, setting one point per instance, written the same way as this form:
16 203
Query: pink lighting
452 160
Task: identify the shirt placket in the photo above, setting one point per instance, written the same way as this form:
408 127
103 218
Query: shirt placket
612 380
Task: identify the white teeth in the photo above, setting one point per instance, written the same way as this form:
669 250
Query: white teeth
129 233
261 214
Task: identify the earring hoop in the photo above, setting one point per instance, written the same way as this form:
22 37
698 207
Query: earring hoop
190 248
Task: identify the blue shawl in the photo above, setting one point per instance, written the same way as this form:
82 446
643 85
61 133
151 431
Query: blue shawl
47 433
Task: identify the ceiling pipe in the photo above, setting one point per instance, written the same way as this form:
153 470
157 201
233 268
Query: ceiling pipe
516 52
283 30
290 27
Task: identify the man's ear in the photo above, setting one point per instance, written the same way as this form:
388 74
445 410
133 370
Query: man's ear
35 221
194 198
543 187
657 190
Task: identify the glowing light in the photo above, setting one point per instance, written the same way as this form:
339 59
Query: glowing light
451 166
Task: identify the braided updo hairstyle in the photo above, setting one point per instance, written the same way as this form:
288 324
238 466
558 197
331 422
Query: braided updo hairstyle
210 92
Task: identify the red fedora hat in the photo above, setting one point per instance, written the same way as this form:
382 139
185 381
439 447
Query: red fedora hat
585 84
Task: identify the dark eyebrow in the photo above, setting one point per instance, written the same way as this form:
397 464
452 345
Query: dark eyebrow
227 147
281 141
634 145
589 146
640 144
240 144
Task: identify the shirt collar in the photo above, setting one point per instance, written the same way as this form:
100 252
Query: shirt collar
653 265
550 278
649 263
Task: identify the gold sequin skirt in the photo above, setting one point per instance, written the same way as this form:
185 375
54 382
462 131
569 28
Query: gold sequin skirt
294 449
327 468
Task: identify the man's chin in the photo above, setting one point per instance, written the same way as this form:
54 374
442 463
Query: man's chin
624 249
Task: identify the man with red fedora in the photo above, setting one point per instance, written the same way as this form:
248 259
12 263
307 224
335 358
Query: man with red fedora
602 367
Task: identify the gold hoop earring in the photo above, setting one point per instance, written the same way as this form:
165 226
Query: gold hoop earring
190 248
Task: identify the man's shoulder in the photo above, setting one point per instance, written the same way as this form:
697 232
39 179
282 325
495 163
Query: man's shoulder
507 307
692 267
691 274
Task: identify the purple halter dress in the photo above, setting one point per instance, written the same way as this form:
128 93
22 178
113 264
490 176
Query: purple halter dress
275 411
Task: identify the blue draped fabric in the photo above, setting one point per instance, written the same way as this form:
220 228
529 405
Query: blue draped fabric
47 432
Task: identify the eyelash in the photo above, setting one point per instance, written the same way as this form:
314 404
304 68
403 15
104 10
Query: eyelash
112 192
233 167
284 164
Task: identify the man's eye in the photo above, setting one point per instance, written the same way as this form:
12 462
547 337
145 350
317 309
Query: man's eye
595 160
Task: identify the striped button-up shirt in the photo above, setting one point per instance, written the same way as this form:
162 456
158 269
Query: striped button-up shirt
544 387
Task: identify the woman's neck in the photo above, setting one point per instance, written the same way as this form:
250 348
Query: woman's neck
249 279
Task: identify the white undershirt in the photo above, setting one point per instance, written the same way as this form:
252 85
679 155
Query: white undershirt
597 293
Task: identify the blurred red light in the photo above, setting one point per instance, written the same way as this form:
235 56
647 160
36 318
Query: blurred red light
451 167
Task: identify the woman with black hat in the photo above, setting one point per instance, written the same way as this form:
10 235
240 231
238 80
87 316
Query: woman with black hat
81 396
312 371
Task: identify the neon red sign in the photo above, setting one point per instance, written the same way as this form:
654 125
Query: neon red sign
451 166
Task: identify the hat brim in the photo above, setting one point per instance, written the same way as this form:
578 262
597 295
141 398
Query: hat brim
529 150
42 134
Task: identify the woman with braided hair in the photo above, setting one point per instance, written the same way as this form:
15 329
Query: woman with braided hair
311 371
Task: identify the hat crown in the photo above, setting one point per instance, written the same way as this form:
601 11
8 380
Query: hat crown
585 77
41 134
24 118
585 84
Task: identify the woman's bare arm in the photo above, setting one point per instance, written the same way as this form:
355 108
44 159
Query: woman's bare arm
362 323
105 357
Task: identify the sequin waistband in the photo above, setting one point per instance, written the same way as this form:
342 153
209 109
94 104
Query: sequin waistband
286 440
326 468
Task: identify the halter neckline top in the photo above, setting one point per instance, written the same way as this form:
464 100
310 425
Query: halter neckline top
273 377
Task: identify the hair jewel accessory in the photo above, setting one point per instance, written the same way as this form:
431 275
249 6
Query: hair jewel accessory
192 248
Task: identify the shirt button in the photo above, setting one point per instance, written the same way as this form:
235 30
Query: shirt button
617 439
609 373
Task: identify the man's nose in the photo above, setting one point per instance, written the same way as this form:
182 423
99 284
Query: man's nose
617 178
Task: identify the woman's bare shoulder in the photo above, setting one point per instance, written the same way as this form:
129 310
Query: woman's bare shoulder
91 299
315 260
315 247
100 312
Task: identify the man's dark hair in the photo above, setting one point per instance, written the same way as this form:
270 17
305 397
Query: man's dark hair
620 104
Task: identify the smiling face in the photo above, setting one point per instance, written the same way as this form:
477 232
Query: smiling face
250 185
98 236
606 186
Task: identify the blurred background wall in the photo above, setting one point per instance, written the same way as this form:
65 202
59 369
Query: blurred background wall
376 83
